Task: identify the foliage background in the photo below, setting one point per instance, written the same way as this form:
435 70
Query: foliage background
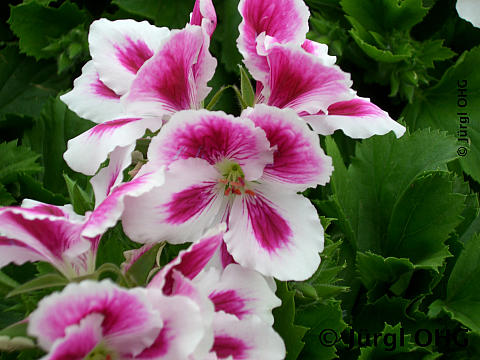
402 244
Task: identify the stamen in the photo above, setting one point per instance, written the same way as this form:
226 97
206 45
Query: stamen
249 192
227 191
237 191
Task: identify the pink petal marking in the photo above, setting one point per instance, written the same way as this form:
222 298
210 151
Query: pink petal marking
133 54
230 302
311 87
109 127
212 136
225 346
120 48
271 230
91 98
166 83
298 158
189 203
284 20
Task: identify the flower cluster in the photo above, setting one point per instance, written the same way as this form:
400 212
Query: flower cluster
231 185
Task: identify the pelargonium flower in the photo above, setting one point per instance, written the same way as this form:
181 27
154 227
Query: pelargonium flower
138 74
243 301
244 171
294 72
102 320
56 234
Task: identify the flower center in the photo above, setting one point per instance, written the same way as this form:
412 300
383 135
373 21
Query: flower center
100 352
233 178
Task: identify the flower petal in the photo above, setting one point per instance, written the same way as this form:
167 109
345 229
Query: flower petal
190 262
167 83
276 232
246 339
87 151
183 328
120 48
212 136
130 323
284 20
319 50
238 291
79 339
111 209
204 15
41 232
357 118
298 159
91 98
182 208
310 87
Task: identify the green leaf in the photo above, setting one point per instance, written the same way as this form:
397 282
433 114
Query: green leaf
33 189
380 275
25 85
36 25
170 14
246 88
56 125
433 50
7 280
376 53
112 246
382 170
5 197
463 290
438 106
326 325
15 160
418 233
382 16
79 198
284 322
41 282
141 268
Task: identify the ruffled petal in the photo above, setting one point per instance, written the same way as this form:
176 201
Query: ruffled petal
204 15
299 160
87 151
276 232
357 118
111 209
239 291
41 232
183 328
190 262
320 51
284 20
246 339
168 83
92 99
120 48
129 321
185 206
212 136
303 81
79 340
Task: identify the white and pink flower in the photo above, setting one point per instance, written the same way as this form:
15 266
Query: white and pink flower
244 171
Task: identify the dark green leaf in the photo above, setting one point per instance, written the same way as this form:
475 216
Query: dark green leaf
246 88
25 85
144 264
284 322
79 198
439 106
41 282
37 25
15 160
5 197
